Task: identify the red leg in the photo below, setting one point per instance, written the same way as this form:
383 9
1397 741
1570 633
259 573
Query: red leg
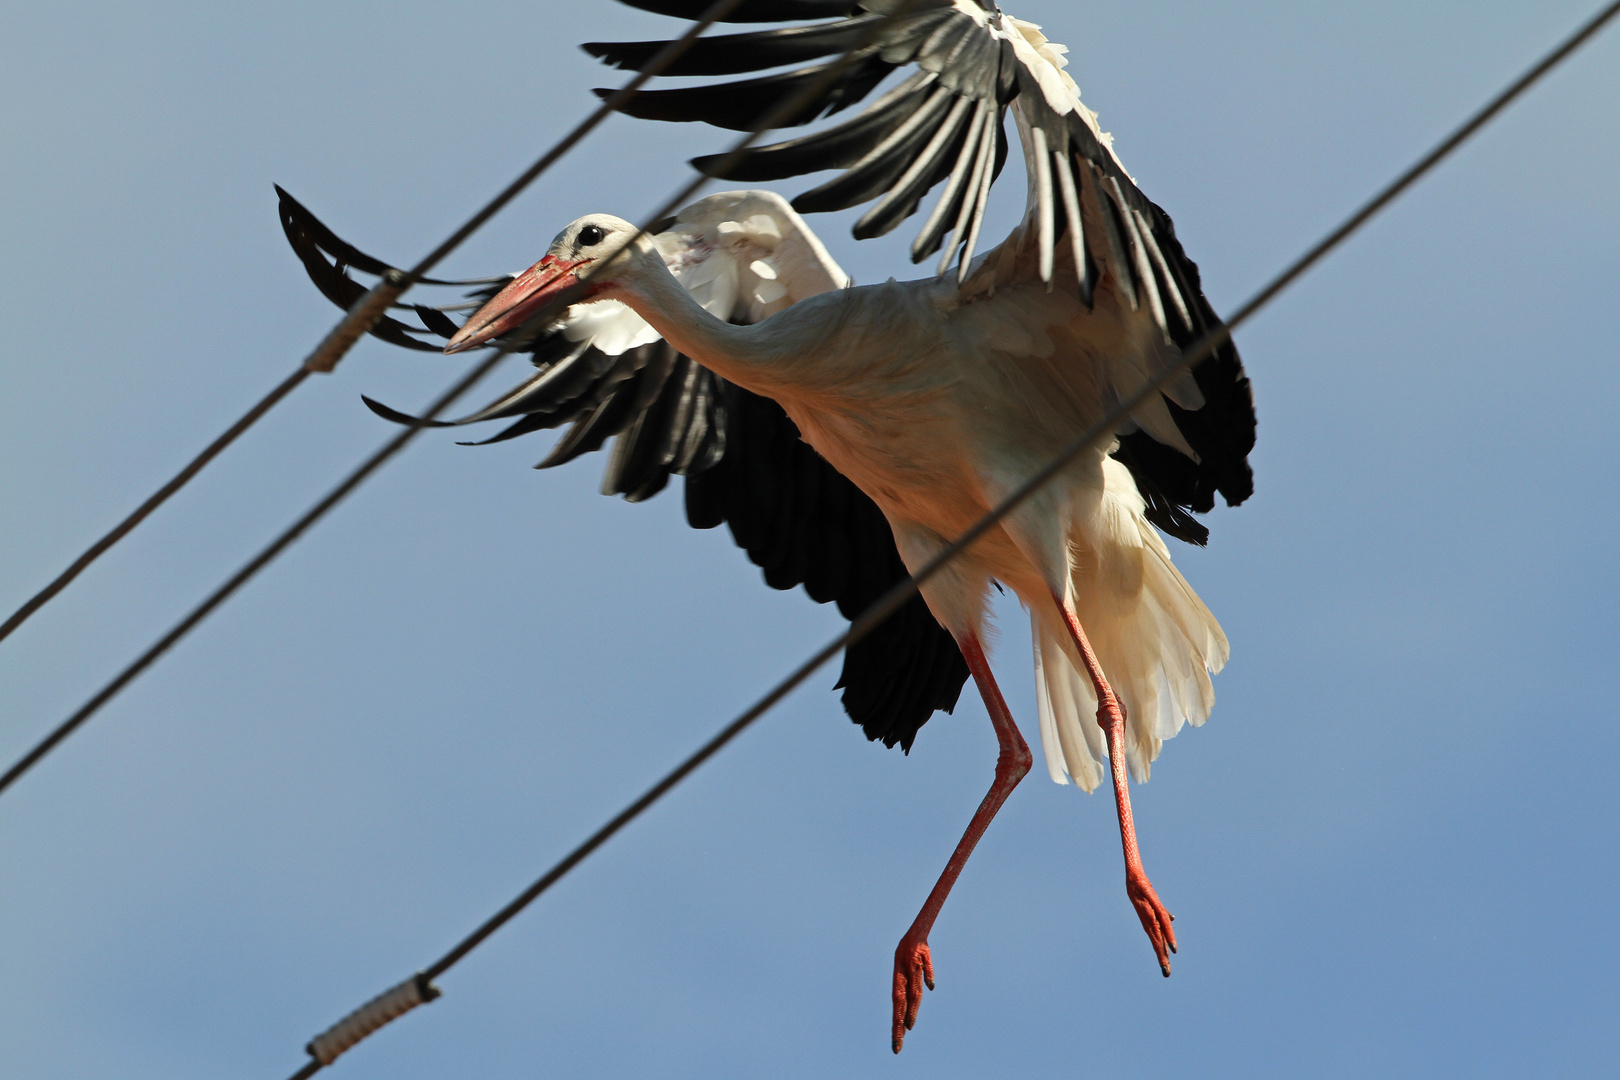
913 965
1111 718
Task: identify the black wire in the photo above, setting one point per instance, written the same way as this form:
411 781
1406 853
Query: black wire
244 575
158 498
350 329
892 600
360 318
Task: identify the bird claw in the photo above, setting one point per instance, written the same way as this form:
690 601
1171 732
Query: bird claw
1155 919
913 969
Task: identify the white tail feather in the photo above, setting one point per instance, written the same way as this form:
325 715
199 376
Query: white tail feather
1157 643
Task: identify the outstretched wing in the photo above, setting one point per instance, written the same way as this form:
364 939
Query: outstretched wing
604 374
943 125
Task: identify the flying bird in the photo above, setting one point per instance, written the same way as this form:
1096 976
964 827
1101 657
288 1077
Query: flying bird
937 397
930 399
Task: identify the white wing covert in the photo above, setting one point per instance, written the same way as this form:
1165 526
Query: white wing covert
742 255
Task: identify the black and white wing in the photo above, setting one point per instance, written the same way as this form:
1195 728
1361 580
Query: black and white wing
603 373
943 127
943 124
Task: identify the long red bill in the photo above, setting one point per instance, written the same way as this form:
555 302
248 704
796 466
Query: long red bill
516 304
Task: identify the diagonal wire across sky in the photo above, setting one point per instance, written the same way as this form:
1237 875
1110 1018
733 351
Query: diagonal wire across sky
361 317
324 358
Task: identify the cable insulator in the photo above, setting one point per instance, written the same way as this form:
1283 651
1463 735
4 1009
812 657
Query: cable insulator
383 1009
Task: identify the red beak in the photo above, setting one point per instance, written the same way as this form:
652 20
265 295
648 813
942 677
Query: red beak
514 305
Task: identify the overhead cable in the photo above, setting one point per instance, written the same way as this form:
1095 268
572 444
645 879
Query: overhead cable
361 317
157 499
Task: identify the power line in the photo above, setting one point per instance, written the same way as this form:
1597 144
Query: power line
157 499
344 335
364 315
419 988
360 318
241 577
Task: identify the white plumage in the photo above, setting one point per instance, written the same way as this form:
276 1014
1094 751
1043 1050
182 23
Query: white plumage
741 255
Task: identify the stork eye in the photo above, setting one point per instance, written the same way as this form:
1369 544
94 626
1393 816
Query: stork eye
591 235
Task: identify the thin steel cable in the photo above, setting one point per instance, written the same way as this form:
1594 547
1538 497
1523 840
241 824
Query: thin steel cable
365 313
157 499
360 318
244 575
891 601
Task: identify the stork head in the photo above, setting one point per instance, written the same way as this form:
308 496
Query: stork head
593 252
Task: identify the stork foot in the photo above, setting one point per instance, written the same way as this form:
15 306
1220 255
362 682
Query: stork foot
1155 919
913 969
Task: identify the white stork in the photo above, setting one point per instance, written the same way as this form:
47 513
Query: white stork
936 397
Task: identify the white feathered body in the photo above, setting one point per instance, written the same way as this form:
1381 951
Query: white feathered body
936 400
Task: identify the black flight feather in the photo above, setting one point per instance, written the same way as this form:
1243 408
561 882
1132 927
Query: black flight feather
750 10
931 166
402 418
882 165
741 105
835 148
591 431
436 321
732 54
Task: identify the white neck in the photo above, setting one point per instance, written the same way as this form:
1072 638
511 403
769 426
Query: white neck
737 353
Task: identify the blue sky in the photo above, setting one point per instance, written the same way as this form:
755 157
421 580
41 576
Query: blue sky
1391 851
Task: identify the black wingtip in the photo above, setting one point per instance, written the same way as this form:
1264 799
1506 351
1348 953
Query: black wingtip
437 321
401 418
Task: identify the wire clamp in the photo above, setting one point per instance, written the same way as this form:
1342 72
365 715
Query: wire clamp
383 1009
366 313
